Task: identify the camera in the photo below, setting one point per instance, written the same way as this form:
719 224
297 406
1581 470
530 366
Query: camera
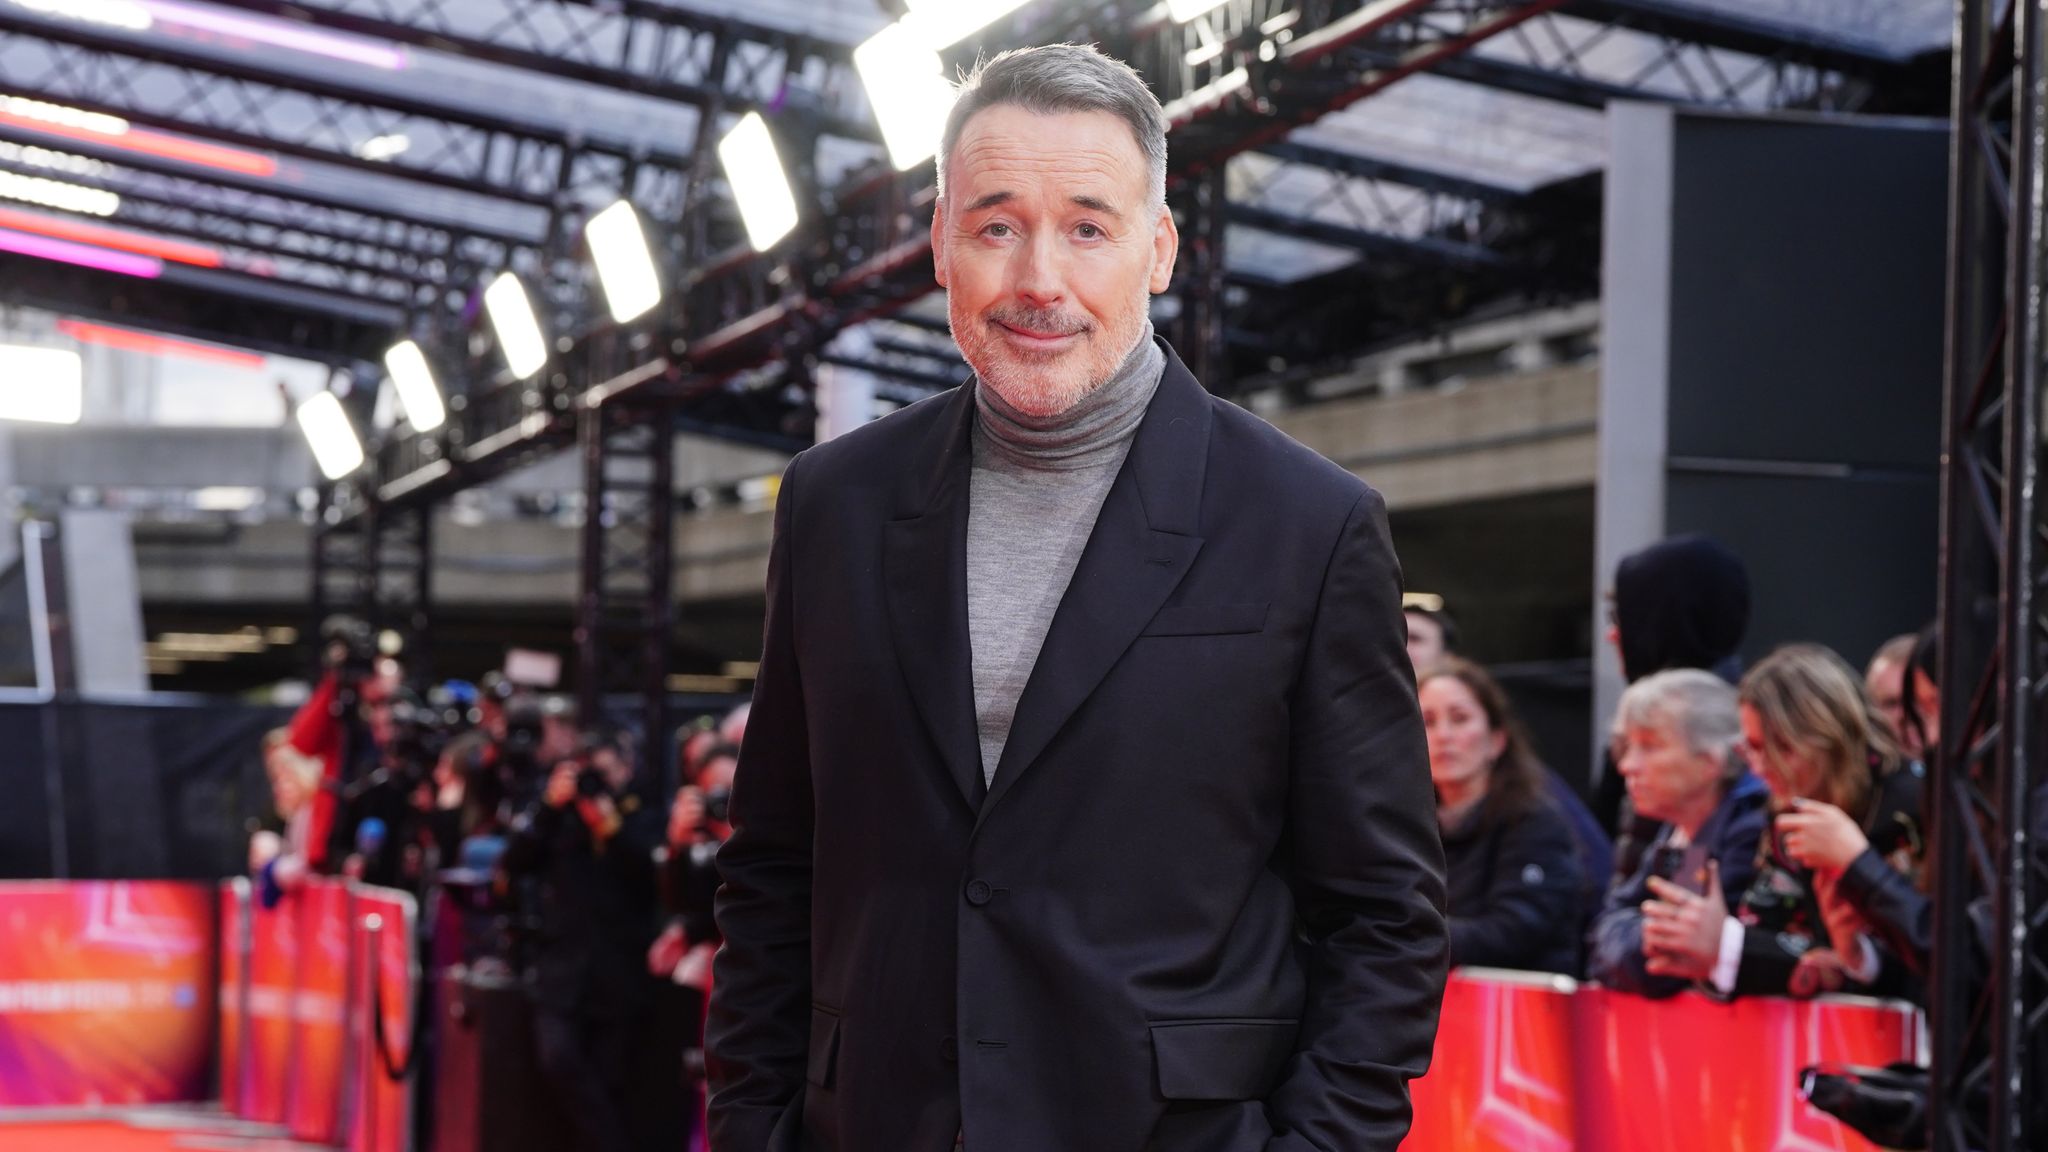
590 783
718 805
350 643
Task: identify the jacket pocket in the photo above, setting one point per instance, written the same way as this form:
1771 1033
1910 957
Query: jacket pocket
1222 1059
1206 620
824 1052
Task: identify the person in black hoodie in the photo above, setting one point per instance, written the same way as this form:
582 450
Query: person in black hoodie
1511 868
1680 603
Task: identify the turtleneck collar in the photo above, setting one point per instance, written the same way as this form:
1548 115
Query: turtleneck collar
1093 432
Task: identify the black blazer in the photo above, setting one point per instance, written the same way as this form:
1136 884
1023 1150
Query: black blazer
1201 905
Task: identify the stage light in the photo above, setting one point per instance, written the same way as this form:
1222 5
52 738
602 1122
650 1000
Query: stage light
149 344
114 132
113 13
79 232
906 86
759 184
944 23
416 387
518 332
38 112
384 147
58 194
619 249
276 33
42 385
64 162
1183 11
329 434
83 255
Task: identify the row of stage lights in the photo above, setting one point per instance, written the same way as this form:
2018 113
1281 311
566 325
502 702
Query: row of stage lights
900 69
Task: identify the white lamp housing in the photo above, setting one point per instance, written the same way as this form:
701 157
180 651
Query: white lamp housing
618 247
944 23
332 438
513 320
906 86
759 184
416 388
41 385
1183 11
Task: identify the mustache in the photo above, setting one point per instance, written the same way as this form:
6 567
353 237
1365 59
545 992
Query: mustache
1041 320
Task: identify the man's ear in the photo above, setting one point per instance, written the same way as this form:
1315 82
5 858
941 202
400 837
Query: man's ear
1165 248
939 241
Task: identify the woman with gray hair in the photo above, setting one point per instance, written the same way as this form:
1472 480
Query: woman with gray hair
1676 739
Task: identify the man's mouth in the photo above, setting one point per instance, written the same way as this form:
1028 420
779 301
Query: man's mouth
1035 335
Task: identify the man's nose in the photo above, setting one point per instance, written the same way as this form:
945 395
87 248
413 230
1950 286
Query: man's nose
1036 273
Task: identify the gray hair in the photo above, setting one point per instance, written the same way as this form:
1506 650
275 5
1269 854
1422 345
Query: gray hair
1055 78
1698 707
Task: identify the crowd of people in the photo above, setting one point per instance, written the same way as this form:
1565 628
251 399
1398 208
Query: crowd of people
544 836
1753 832
1743 822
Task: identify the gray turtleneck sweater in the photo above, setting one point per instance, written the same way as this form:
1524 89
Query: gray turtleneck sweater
1038 484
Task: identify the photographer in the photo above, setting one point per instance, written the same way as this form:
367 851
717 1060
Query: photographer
344 725
590 845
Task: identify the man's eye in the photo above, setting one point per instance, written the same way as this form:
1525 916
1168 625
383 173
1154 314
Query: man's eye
997 230
1089 232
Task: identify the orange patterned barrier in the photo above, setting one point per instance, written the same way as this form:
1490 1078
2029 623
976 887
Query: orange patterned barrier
1535 1063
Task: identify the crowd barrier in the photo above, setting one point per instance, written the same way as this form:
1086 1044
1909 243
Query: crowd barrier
1534 1063
123 992
317 1030
106 993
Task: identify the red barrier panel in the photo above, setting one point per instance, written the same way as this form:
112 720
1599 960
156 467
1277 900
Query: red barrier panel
1691 1075
107 992
271 1006
234 989
320 1012
1502 1077
384 928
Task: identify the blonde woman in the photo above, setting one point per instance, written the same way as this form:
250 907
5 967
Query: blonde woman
1811 732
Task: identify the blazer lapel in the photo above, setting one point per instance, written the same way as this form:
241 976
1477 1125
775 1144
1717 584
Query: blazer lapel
1144 542
924 572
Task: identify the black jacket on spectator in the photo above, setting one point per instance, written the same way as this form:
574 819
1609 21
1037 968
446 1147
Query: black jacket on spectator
1680 603
1513 889
596 907
1730 836
1781 915
1595 849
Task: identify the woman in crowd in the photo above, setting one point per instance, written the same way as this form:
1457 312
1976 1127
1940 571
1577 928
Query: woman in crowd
1677 744
1812 733
1512 869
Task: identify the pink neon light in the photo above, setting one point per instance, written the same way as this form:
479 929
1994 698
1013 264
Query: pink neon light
64 251
279 34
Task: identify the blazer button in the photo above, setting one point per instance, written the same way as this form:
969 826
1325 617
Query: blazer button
978 893
949 1050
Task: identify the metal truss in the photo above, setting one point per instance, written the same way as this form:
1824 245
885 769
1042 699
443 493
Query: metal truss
652 49
272 108
1202 204
625 610
378 567
1590 52
1986 1001
1373 213
244 315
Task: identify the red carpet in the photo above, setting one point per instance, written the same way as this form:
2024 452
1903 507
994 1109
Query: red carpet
171 1131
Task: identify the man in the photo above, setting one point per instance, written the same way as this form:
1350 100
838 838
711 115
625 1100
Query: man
591 845
1086 807
1682 602
1431 634
1890 670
